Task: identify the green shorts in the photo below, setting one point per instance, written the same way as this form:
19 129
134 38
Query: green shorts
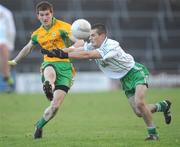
138 75
63 71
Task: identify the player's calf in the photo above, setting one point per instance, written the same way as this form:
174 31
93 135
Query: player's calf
50 112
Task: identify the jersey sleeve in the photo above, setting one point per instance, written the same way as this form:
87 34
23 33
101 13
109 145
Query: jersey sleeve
67 29
65 37
34 39
65 34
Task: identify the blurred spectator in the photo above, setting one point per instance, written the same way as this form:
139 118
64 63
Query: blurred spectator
7 39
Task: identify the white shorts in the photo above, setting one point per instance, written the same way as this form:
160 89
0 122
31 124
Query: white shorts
7 37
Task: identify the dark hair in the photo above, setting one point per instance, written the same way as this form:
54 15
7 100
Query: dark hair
44 5
101 28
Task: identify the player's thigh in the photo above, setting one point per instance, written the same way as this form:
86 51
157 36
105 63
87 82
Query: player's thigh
131 101
49 73
140 93
47 70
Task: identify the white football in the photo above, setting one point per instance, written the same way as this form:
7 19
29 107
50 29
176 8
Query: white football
81 29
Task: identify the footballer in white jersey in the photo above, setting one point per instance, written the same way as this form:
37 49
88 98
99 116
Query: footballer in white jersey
117 64
7 39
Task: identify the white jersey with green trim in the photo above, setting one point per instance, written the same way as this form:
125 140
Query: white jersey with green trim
115 63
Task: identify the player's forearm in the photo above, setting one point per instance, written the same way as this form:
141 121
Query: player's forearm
23 53
78 55
72 49
83 55
78 45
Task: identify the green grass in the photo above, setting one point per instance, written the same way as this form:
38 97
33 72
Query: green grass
85 120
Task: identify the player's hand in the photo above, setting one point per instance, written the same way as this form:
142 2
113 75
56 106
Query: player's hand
12 62
45 52
55 53
59 53
48 53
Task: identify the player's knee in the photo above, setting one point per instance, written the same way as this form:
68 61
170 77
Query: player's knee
140 106
138 114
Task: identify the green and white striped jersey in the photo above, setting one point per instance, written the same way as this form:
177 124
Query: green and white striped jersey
115 62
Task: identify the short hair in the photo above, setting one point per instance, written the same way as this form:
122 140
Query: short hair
101 28
43 6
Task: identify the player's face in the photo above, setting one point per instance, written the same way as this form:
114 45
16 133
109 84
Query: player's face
45 17
96 39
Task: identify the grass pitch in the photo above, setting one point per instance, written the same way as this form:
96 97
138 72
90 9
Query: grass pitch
86 120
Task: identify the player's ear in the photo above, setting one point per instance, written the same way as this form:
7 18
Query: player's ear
37 16
52 12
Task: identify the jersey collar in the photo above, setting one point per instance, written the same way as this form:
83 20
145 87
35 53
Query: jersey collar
105 40
53 22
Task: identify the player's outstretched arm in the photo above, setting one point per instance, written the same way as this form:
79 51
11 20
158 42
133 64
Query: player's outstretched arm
55 53
81 54
23 53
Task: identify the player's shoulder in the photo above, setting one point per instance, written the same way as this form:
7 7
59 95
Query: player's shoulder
109 44
111 41
37 31
5 10
63 26
62 23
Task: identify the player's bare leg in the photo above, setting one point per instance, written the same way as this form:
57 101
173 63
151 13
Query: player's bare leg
163 106
4 56
141 110
50 112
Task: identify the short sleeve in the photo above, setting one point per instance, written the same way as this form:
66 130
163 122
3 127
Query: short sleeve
34 39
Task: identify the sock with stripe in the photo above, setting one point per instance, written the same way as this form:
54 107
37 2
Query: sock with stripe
161 106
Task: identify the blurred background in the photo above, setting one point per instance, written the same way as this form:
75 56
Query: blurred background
147 29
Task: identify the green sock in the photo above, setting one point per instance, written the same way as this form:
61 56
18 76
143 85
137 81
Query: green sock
152 131
41 123
161 106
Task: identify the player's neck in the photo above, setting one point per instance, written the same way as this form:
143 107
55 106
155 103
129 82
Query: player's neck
47 27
